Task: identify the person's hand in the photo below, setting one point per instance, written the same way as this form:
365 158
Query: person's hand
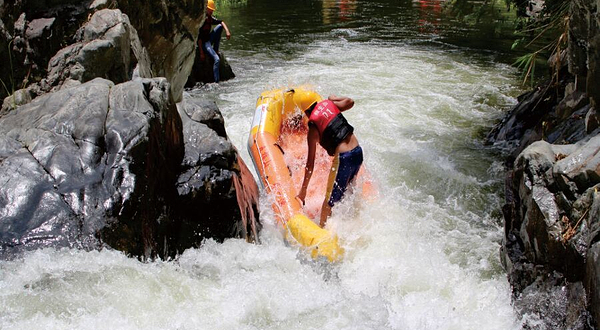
301 197
228 35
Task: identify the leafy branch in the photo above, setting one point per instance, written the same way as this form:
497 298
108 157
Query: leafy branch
554 17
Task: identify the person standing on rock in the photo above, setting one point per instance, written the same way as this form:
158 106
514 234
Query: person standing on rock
208 40
327 125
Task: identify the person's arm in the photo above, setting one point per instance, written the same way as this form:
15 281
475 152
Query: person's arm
201 52
227 34
342 102
201 49
312 138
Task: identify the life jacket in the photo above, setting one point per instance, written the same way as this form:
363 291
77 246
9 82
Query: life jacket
332 126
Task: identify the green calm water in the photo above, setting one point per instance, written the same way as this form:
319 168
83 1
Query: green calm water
283 26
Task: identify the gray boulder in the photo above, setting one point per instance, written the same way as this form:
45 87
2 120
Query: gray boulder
76 160
214 180
33 31
202 70
103 50
101 164
553 223
539 227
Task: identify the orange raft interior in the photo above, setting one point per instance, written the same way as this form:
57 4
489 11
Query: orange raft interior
278 148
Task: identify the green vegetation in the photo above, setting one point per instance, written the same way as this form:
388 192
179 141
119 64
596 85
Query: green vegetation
550 25
540 32
471 12
10 91
225 5
12 82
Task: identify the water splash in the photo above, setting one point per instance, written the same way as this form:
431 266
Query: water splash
424 256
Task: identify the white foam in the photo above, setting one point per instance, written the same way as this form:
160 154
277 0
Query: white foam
424 256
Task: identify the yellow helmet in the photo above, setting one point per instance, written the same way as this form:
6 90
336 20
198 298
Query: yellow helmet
305 99
211 4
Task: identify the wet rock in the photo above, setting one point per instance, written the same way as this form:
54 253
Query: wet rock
104 50
203 111
524 124
101 164
541 227
552 220
32 32
167 33
202 70
39 204
551 217
562 304
582 166
79 168
550 181
214 182
571 129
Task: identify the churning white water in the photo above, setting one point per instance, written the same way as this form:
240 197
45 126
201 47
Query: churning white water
422 256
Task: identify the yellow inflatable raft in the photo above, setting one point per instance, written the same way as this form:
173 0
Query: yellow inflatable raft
278 148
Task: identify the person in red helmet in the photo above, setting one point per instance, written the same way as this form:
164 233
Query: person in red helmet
208 40
328 126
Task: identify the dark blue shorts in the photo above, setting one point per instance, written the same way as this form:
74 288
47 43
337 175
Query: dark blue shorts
343 171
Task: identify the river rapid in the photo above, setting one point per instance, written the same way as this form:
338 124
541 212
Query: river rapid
424 255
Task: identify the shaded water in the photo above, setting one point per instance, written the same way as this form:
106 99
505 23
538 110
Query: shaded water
424 256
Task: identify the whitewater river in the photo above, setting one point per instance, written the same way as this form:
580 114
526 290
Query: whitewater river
425 255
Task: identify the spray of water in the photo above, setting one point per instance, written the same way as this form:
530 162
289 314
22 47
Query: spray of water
424 255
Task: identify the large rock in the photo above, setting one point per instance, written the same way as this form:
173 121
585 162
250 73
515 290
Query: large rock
202 70
214 180
552 222
101 164
33 31
104 50
80 159
168 31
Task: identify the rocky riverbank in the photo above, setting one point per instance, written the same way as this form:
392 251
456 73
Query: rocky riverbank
552 210
101 147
